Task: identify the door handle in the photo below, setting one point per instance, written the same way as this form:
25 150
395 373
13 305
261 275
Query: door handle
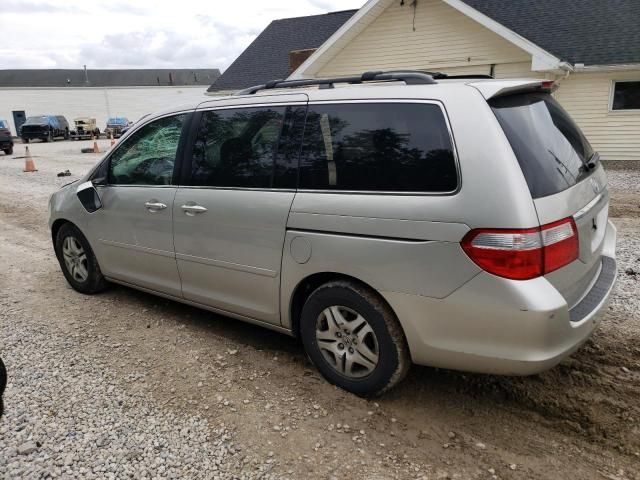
155 206
192 210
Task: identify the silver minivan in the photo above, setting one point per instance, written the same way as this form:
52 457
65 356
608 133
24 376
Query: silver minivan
383 219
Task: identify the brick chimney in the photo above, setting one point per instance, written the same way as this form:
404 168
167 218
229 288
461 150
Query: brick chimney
298 57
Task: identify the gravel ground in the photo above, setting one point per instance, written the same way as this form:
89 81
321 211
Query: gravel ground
72 418
127 385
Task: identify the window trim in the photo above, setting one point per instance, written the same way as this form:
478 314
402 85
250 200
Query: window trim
612 92
184 135
181 173
392 192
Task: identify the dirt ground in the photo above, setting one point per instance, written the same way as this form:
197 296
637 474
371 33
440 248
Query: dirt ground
580 420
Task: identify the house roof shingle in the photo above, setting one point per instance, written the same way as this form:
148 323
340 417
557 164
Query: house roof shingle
267 58
593 32
108 78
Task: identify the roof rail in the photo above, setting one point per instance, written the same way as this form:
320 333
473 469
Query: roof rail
444 76
408 77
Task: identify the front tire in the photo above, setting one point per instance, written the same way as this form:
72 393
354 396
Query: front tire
354 339
77 261
9 151
25 140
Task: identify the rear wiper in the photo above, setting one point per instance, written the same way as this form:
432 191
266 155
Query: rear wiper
592 162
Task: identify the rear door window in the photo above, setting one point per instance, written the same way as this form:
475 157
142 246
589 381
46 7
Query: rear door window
391 147
552 151
255 147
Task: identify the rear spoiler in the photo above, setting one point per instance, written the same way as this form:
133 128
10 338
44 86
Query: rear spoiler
495 89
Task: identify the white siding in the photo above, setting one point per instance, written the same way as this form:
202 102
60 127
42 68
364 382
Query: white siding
518 70
99 103
448 41
587 96
444 39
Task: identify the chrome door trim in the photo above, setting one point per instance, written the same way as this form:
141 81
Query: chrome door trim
154 207
193 209
137 248
263 272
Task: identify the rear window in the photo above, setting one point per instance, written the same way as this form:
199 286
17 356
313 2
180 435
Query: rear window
37 120
552 151
392 147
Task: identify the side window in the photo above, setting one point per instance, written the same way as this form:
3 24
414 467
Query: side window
395 147
147 157
237 147
626 96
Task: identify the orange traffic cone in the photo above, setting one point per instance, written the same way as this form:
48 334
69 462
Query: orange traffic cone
29 166
95 147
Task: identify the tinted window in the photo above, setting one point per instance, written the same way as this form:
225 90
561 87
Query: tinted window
147 157
237 147
626 96
551 149
377 147
37 120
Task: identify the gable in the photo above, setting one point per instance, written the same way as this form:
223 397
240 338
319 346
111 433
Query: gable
431 36
267 58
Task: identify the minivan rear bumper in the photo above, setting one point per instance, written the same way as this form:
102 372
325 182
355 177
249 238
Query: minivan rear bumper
499 326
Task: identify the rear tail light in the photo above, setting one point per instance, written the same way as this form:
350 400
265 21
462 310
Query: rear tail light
522 254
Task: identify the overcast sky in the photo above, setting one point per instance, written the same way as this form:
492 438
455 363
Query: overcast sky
140 33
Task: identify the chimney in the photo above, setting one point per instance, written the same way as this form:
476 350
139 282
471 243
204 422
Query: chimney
298 57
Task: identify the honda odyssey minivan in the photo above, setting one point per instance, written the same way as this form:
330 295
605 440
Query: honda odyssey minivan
384 219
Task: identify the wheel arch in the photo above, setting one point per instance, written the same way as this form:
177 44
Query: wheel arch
309 284
57 225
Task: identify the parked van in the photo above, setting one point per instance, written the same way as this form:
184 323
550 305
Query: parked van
384 219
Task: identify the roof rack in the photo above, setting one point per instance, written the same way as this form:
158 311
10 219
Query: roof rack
408 77
444 76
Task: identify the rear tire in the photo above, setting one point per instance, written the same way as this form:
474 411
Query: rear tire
25 140
77 261
9 151
354 339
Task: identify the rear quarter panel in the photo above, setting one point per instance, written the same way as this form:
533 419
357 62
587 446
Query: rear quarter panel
410 243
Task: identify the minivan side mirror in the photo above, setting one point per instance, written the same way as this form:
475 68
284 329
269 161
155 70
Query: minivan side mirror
88 196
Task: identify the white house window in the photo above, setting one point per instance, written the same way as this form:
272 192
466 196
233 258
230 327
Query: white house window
626 96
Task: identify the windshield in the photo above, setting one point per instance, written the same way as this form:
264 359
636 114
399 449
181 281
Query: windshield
4 124
117 121
552 151
39 120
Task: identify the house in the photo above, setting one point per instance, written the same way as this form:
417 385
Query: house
97 93
591 48
279 50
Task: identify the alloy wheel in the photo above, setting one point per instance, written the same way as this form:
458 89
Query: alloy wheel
75 258
347 341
